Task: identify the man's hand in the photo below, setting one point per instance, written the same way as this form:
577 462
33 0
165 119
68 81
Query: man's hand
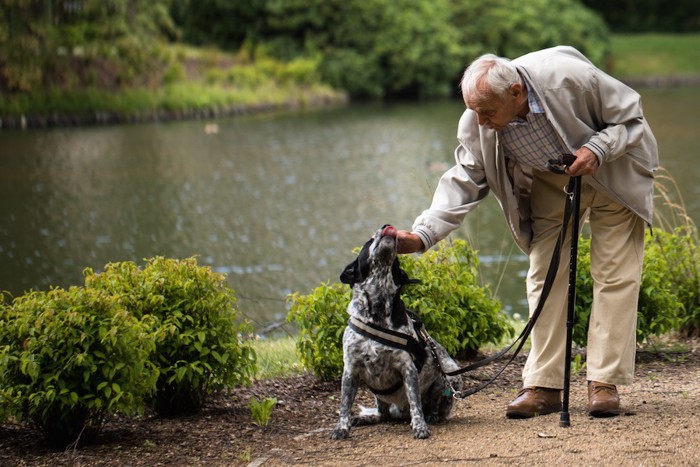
586 163
408 242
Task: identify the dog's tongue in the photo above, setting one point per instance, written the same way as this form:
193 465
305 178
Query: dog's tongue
389 231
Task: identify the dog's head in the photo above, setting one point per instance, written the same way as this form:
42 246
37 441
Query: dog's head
378 255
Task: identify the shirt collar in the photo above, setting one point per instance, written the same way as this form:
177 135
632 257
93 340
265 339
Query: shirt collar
532 100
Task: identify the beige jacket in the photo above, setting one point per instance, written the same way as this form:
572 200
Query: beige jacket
587 108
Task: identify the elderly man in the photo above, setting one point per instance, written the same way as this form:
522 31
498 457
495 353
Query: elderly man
519 115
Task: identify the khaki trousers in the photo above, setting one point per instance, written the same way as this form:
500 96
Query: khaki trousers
617 249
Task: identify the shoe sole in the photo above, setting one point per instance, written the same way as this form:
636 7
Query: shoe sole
604 413
519 414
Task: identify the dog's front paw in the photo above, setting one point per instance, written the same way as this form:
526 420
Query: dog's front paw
340 433
421 431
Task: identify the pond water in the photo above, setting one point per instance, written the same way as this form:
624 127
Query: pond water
275 201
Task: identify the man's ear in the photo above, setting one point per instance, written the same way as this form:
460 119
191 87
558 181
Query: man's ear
516 89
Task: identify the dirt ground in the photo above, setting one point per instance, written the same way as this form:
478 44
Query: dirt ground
660 426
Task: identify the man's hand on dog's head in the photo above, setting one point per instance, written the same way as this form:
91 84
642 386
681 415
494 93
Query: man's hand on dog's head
408 242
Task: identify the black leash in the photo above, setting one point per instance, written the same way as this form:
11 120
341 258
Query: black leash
571 190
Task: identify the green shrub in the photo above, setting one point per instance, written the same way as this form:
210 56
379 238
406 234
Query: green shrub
457 312
680 252
372 48
69 358
676 242
658 307
511 29
394 47
112 44
678 17
300 71
321 318
199 346
357 72
246 76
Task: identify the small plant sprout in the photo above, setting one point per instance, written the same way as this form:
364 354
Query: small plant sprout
261 411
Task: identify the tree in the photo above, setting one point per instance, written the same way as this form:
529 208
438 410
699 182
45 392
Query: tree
678 16
63 44
511 29
392 47
367 47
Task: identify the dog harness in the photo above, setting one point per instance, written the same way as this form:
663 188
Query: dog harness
414 344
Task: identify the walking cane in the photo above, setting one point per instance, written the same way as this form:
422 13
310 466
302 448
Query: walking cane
574 192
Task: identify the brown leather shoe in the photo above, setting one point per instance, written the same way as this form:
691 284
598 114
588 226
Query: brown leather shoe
603 400
533 401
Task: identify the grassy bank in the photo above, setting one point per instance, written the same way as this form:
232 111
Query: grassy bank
277 358
198 83
205 83
644 56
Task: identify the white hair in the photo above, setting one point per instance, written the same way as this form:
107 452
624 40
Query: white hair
488 75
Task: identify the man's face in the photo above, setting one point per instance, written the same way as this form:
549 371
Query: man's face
494 111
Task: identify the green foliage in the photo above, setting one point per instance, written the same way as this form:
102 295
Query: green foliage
457 312
321 318
511 29
276 357
91 42
369 48
655 55
271 84
261 411
300 71
577 364
679 251
69 358
659 305
679 16
393 47
199 346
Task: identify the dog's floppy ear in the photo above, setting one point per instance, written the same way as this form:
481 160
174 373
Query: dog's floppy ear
400 276
348 274
358 269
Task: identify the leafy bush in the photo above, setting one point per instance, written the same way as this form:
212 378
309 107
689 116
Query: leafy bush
96 43
676 242
321 317
457 312
680 252
69 358
658 307
368 48
393 47
199 346
679 16
511 29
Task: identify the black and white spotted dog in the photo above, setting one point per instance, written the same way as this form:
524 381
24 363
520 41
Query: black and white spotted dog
383 348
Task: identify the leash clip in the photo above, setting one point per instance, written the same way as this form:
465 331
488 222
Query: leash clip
456 395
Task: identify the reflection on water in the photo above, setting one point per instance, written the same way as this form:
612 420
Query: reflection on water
276 202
